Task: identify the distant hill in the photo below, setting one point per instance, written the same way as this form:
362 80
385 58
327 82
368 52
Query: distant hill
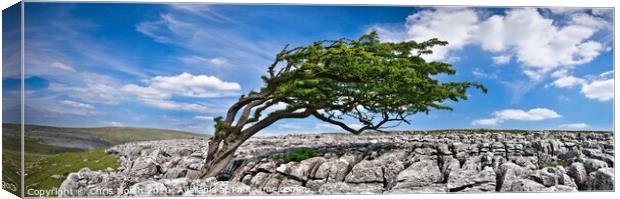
90 138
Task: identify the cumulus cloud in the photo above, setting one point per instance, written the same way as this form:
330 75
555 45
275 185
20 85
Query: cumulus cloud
160 89
540 44
77 105
531 115
190 85
457 26
574 126
600 87
536 114
568 81
601 90
501 59
486 122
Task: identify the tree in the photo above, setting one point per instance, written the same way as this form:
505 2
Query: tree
376 83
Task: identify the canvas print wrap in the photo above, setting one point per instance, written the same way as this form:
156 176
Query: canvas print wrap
165 99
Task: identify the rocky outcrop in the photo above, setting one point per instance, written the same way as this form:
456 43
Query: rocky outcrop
348 164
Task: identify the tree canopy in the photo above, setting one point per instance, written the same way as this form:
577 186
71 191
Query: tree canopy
379 84
371 81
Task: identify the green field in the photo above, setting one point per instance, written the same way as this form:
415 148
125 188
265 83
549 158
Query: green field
119 135
41 167
42 161
10 170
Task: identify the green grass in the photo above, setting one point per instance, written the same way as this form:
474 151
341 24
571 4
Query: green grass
119 135
40 167
10 171
42 161
34 146
297 154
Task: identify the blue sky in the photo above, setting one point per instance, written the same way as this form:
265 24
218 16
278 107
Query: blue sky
177 66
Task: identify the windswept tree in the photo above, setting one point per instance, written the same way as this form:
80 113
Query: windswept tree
379 84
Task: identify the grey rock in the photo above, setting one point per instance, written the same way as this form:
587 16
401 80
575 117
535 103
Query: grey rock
592 165
175 173
378 163
367 171
148 188
509 173
602 179
419 174
525 185
472 180
579 174
301 170
333 170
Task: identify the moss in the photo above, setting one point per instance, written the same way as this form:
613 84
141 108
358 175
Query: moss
296 155
562 163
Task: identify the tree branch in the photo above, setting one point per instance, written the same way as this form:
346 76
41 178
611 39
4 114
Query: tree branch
273 117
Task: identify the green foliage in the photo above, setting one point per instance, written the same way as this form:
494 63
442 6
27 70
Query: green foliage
219 126
296 155
365 79
562 163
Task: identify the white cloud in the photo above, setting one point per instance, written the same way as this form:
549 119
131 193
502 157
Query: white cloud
92 88
62 66
145 92
574 126
540 44
159 99
486 122
565 10
568 81
290 126
480 74
78 105
197 60
190 85
501 59
608 74
355 126
590 21
161 89
457 26
326 126
600 87
203 117
602 12
218 61
172 105
536 114
601 90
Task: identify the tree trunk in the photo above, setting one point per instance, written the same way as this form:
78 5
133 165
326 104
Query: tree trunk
220 153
